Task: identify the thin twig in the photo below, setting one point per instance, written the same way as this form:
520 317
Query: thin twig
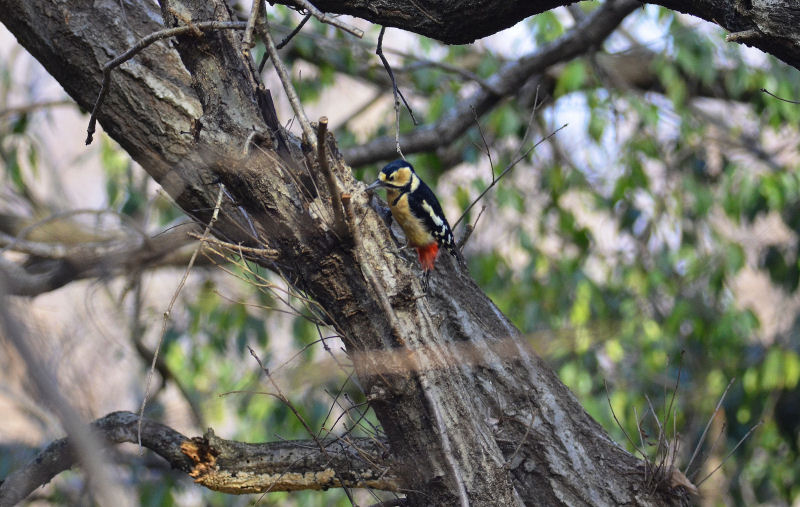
730 453
324 18
483 138
711 449
506 171
168 312
139 46
268 253
284 42
614 414
396 91
708 425
339 225
286 81
470 229
780 98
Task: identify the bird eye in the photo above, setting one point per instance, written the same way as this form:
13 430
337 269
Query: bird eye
391 176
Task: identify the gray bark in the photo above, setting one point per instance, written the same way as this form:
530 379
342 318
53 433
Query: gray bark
470 412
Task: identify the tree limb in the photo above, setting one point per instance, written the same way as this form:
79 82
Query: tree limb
771 24
53 265
219 464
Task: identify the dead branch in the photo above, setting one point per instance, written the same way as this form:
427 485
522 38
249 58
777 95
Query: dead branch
288 87
219 464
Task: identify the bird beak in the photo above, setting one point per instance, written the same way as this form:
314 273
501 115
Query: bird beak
375 184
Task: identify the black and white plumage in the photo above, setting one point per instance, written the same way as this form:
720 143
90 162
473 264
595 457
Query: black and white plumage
415 207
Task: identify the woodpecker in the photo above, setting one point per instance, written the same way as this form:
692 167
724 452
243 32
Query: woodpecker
417 210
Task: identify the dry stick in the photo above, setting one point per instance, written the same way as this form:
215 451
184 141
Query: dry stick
169 311
730 453
139 46
780 98
340 226
506 171
708 425
286 81
284 42
324 18
712 449
247 40
268 253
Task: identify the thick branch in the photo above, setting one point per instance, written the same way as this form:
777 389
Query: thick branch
219 464
772 24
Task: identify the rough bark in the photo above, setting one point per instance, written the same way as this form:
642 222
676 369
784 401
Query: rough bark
769 25
471 414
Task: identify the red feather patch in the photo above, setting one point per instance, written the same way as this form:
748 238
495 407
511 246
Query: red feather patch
427 255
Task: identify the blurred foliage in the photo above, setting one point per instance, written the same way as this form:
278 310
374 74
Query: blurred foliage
616 246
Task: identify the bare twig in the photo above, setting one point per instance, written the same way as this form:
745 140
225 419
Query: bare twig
286 81
172 301
279 395
745 437
268 253
330 20
506 171
483 138
708 425
203 26
780 98
619 424
284 42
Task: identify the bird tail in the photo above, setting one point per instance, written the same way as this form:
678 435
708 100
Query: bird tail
456 252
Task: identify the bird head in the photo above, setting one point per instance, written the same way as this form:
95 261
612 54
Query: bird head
397 174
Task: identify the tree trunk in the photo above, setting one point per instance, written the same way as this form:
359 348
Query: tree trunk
473 414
